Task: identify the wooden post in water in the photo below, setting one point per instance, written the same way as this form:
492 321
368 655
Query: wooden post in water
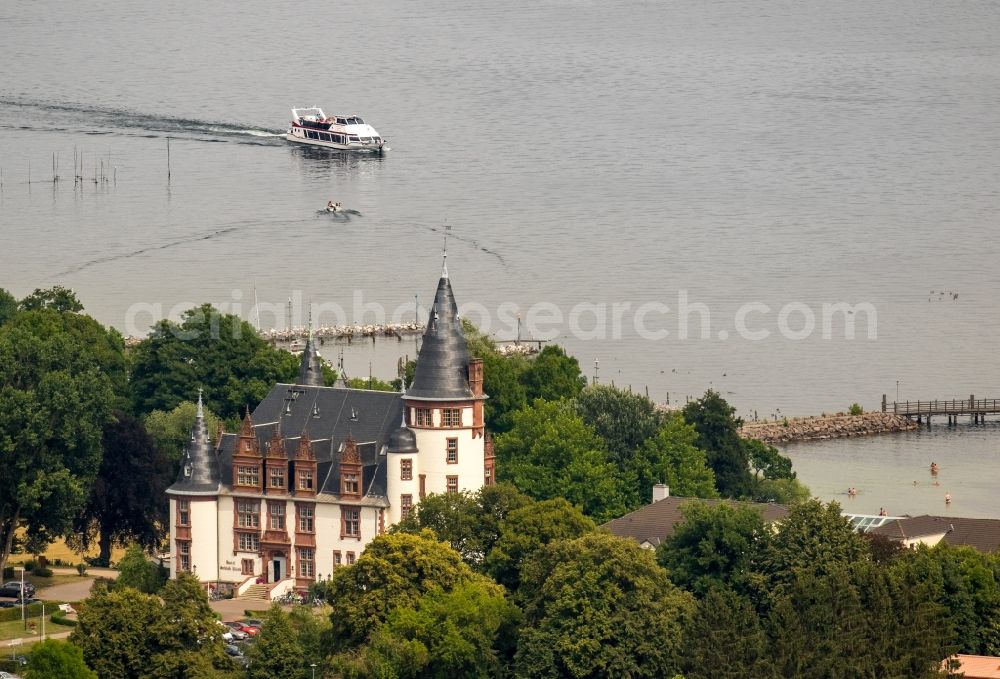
168 158
883 403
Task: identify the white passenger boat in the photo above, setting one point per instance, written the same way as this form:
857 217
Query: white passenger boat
348 133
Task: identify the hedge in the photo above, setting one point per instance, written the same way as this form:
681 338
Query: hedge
30 611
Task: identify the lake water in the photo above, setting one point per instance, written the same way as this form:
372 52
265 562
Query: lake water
586 155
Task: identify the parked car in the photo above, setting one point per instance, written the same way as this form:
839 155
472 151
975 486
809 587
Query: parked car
8 675
253 622
246 629
13 589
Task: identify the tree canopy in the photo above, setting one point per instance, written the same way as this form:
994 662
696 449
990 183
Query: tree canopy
550 452
171 430
714 547
123 505
600 606
718 435
276 652
56 298
58 373
113 631
216 351
54 659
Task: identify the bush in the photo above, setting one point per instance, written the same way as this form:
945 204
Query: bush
30 611
59 617
29 565
855 409
43 572
8 572
81 568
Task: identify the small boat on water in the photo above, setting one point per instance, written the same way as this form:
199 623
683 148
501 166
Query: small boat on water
346 133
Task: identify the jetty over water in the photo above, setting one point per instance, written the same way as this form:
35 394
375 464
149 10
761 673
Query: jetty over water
975 409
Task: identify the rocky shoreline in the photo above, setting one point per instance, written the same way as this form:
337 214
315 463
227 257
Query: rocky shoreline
818 428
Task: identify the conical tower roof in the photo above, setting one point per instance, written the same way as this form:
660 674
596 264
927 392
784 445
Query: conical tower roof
199 473
310 368
442 371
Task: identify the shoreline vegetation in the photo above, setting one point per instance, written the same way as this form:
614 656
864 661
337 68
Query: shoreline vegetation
823 427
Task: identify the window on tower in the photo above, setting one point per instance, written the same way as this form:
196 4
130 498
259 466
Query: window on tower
406 470
452 451
452 485
451 417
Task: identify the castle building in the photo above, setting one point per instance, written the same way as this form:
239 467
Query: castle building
315 473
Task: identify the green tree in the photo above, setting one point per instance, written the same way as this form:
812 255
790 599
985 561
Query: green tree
171 430
601 606
8 306
527 530
551 452
469 522
718 435
766 461
277 652
814 538
312 631
58 373
725 640
135 570
54 659
187 638
780 491
714 547
394 571
119 509
371 383
57 298
625 421
507 395
553 375
670 456
461 633
113 631
209 349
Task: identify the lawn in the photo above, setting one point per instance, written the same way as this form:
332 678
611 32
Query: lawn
56 579
15 630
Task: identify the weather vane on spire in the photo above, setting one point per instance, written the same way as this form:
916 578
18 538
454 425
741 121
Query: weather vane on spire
444 265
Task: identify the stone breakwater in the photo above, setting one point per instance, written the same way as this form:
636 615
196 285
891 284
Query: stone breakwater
818 428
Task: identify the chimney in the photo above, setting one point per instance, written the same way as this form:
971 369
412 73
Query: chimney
660 491
476 376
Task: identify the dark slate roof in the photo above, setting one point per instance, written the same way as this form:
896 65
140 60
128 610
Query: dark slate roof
442 371
403 440
310 369
655 522
199 472
328 415
982 534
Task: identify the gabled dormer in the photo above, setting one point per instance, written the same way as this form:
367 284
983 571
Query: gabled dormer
247 462
276 465
305 468
350 470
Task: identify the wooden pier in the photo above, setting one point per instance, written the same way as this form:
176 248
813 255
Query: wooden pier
923 411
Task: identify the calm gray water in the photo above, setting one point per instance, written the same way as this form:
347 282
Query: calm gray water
783 153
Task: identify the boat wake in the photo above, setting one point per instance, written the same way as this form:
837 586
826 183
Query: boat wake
123 121
471 241
195 238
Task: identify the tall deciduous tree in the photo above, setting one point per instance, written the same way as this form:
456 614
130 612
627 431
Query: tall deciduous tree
8 306
135 570
469 522
718 435
171 430
58 373
394 571
56 298
815 539
625 421
466 632
276 653
187 638
125 502
553 375
670 456
601 606
209 349
714 547
551 452
724 639
527 530
114 631
54 659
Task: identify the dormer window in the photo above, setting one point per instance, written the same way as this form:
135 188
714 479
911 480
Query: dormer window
305 480
246 446
349 484
187 470
277 478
